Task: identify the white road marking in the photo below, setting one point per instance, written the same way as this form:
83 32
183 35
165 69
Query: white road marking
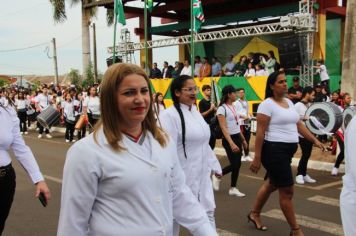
325 200
54 179
222 232
309 222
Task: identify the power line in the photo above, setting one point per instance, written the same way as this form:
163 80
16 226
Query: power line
25 48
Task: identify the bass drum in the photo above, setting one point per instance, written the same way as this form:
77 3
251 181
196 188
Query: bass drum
48 117
347 116
327 114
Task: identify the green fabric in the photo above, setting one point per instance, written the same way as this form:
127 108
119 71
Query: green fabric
333 49
168 93
119 12
150 5
152 88
198 15
239 82
334 82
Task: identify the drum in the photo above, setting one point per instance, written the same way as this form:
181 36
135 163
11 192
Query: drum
48 117
324 118
347 116
83 120
253 123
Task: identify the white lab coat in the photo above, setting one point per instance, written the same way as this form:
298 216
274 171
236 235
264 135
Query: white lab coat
135 192
201 160
348 193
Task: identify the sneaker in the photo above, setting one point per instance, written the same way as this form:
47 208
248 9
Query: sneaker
26 132
37 129
299 179
243 158
334 171
39 136
48 136
234 191
67 140
248 158
308 179
216 183
73 141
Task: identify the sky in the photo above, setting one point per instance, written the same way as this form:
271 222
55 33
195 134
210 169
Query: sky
28 23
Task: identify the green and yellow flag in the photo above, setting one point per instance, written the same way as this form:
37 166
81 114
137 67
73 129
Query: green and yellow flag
119 12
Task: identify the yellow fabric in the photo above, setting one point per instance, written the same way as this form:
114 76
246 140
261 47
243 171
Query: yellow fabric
204 81
258 84
320 38
161 85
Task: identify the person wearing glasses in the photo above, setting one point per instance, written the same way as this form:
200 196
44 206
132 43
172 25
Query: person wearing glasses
125 178
191 133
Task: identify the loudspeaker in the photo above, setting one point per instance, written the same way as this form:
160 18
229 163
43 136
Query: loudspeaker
110 59
289 52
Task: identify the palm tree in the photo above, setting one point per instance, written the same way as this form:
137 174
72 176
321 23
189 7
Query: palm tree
59 15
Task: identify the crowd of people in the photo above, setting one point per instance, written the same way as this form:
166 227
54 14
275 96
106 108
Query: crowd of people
171 149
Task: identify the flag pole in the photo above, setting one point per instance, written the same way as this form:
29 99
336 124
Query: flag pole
192 18
115 23
146 48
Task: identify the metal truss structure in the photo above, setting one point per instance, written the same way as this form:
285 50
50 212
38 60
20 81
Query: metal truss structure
302 23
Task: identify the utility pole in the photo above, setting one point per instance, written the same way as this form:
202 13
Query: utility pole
95 58
55 62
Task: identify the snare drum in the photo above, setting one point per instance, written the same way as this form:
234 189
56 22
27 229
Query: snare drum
48 117
347 116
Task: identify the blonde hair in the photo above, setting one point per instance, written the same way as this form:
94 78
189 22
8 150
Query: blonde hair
110 116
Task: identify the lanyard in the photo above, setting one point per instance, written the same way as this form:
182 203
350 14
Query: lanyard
234 113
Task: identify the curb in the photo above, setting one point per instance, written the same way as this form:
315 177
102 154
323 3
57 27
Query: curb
313 165
220 152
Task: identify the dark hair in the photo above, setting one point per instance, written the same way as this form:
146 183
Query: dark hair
157 102
197 57
239 89
272 54
272 78
205 87
345 95
177 85
307 90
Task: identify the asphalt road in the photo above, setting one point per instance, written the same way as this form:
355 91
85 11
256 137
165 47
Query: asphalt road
316 205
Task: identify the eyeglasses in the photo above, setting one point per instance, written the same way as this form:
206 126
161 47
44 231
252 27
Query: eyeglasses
191 89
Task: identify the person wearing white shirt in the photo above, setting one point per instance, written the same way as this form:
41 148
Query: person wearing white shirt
68 115
270 63
306 146
250 72
260 71
197 65
191 133
348 192
21 105
187 69
43 100
91 107
125 178
229 66
232 140
241 106
323 72
158 105
78 103
11 138
278 125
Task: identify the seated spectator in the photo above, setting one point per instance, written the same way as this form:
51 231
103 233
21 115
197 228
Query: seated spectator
216 67
260 71
241 66
295 92
229 67
187 69
155 72
197 65
270 63
166 71
205 69
177 69
250 72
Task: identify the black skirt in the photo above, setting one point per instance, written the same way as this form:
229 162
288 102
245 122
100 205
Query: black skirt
276 158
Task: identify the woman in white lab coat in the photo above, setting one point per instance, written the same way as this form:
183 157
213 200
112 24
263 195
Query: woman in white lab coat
125 178
348 193
192 134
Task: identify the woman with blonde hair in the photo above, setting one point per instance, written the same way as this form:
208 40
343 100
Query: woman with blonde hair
125 178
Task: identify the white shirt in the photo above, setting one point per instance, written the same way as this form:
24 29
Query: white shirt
43 101
68 110
242 109
21 104
323 73
200 158
231 116
283 124
135 192
92 104
250 72
301 109
186 71
11 138
197 68
261 73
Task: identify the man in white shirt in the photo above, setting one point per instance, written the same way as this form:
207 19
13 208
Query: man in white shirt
187 69
43 100
323 72
197 65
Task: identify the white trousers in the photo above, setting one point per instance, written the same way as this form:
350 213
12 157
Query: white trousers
210 215
348 211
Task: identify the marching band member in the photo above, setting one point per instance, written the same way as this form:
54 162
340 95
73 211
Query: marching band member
43 100
348 193
278 125
78 113
22 104
191 134
91 107
125 178
68 115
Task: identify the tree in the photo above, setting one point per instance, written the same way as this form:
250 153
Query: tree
89 73
74 77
